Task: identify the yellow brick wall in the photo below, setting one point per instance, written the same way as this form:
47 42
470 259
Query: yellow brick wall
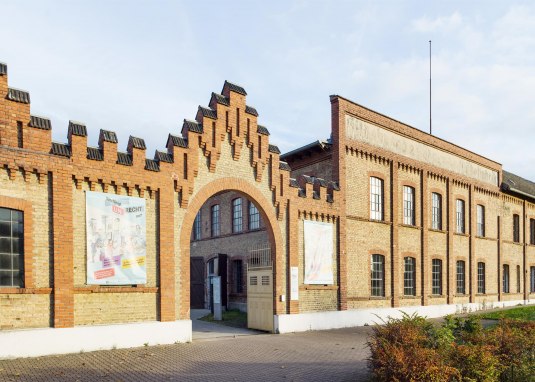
18 311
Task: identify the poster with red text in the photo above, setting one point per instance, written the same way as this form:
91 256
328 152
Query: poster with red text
116 239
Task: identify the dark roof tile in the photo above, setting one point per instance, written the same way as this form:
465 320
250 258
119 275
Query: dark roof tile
251 110
3 69
235 88
40 122
137 143
208 112
193 126
322 182
60 149
177 141
108 136
77 128
515 183
93 153
124 159
262 130
273 149
18 95
284 166
151 165
302 193
162 156
330 198
294 183
221 99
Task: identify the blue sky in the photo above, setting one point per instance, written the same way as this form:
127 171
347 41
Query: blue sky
140 67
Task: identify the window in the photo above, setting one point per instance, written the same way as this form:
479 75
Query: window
11 248
408 205
254 217
436 211
376 199
237 276
197 226
518 289
516 228
481 278
532 231
460 277
459 216
436 273
409 277
505 278
215 221
480 210
237 219
532 279
378 275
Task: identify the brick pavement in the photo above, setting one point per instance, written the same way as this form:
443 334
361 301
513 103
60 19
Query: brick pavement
333 355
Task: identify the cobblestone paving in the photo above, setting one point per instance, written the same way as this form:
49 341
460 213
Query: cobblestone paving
333 355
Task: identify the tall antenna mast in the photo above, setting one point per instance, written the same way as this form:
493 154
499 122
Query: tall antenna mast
430 120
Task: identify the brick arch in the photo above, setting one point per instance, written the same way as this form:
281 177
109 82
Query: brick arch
267 211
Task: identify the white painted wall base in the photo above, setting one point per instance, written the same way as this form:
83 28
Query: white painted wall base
288 323
47 341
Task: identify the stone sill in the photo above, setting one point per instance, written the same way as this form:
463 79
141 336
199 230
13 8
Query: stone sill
410 226
318 287
437 296
461 234
371 298
10 290
112 289
411 297
486 238
437 230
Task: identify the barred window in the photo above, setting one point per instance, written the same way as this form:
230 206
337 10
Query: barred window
11 248
408 205
460 277
409 278
378 276
481 278
518 279
197 226
532 279
516 228
376 198
459 216
237 218
436 211
505 278
254 217
436 273
480 210
532 231
215 221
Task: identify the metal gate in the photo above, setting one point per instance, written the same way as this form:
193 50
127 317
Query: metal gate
260 289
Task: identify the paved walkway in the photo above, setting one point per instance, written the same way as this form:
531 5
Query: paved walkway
203 330
332 355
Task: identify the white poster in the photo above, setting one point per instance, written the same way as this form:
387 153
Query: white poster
294 283
116 239
318 252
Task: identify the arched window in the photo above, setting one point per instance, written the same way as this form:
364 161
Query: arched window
254 217
11 248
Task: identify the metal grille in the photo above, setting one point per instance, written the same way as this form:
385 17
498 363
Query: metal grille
480 221
436 211
460 277
377 276
437 277
376 198
254 217
409 279
505 278
237 218
265 280
459 216
260 256
408 205
11 247
254 280
481 278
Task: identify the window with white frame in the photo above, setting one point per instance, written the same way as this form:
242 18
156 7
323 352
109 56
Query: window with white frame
436 211
461 277
11 248
481 278
254 217
237 218
459 216
480 212
436 277
376 199
409 277
197 226
408 205
505 278
378 276
215 221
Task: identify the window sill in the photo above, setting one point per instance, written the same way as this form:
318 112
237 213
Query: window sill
411 297
318 287
437 230
486 238
437 296
461 234
410 226
115 289
14 290
461 295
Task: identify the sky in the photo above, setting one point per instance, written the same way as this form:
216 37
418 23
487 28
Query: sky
140 67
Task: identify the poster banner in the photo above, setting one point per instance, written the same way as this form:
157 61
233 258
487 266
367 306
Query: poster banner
116 239
318 252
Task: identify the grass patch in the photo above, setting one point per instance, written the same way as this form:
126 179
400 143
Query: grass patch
526 313
234 318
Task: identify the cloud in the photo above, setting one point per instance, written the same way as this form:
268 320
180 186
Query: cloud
441 23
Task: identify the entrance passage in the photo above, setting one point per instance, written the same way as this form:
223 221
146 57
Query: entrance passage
260 289
197 282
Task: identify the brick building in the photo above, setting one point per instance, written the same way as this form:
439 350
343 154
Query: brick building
380 216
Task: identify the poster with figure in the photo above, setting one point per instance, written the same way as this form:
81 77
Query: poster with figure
318 252
116 239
